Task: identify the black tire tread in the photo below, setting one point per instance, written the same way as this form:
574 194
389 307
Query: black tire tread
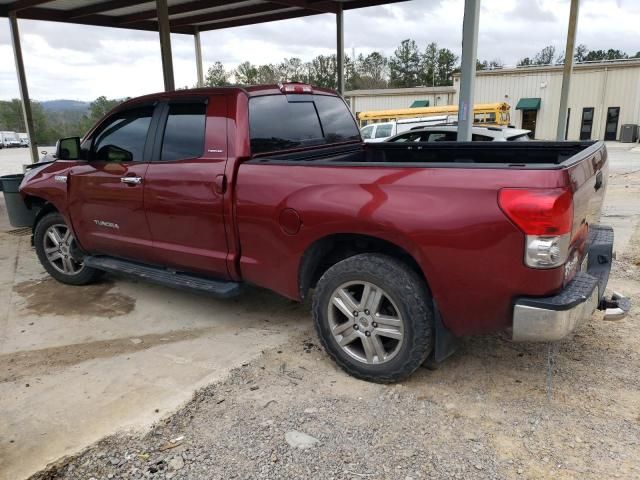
414 296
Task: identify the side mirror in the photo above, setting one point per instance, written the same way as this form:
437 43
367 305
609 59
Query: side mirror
68 148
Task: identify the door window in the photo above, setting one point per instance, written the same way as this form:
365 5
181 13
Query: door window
366 132
587 123
611 129
184 134
123 136
384 131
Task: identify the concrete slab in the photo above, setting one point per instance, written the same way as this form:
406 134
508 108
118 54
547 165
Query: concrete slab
79 363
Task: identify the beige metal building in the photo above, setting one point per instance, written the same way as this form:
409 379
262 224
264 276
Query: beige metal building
604 96
388 98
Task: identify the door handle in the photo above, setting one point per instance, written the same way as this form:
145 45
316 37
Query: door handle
131 180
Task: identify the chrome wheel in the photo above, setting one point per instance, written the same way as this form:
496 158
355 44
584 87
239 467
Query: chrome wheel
365 322
58 246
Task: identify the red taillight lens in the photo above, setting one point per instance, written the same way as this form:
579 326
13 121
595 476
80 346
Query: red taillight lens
538 211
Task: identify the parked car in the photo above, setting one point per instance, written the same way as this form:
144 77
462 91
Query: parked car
380 132
24 140
9 139
405 249
449 133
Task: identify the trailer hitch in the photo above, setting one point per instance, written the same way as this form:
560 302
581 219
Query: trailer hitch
615 308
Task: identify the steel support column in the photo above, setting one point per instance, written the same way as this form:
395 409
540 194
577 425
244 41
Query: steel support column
22 82
468 68
165 44
568 69
198 46
340 48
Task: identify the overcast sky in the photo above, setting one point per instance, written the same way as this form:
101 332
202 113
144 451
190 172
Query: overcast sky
84 62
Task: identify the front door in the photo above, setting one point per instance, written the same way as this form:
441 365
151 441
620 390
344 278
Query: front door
586 125
611 128
529 118
106 192
185 186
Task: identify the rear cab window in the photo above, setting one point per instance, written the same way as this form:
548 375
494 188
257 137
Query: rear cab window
184 132
283 122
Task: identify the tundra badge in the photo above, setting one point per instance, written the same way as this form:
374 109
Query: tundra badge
102 223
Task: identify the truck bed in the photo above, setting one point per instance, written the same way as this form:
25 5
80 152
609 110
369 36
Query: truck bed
534 154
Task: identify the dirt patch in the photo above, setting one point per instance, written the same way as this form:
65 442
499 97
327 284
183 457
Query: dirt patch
32 363
48 297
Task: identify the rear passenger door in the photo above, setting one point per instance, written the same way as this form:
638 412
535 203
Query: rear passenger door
185 187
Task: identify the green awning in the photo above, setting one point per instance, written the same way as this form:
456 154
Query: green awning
528 104
420 103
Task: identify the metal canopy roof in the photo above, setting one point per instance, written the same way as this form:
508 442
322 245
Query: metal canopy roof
185 16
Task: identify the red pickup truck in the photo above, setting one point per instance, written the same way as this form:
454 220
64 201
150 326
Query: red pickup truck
406 247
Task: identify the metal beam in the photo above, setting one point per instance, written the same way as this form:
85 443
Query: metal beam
22 4
101 7
468 68
165 45
176 10
239 22
198 45
320 7
223 14
22 83
568 68
340 49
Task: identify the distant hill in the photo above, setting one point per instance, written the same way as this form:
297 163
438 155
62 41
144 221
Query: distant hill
65 105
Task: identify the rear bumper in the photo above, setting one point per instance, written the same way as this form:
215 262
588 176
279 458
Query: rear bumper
553 318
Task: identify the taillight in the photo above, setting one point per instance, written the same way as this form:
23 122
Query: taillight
545 216
295 87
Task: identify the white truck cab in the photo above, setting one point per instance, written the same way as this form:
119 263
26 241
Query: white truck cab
380 132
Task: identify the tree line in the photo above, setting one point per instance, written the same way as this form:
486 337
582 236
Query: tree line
408 66
50 125
548 56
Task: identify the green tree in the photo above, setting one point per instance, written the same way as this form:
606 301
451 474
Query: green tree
404 65
546 56
323 71
268 74
246 74
293 70
429 65
447 62
217 76
581 53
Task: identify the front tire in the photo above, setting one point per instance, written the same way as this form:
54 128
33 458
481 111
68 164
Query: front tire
57 251
374 317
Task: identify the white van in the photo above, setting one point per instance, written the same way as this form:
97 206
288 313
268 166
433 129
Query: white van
379 132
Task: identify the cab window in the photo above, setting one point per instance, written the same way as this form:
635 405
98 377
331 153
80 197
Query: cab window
123 136
184 134
384 131
366 132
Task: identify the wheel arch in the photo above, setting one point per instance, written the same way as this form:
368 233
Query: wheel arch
325 252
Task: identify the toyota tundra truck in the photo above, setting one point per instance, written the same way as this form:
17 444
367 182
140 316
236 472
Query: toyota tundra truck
404 247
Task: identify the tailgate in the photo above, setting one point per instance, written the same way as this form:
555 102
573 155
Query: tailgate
588 176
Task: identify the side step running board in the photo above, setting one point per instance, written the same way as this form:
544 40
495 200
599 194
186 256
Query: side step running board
162 276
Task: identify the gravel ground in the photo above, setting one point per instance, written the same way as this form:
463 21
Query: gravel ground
486 413
493 410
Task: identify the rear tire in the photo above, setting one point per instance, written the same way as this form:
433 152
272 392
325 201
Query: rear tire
373 316
55 246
